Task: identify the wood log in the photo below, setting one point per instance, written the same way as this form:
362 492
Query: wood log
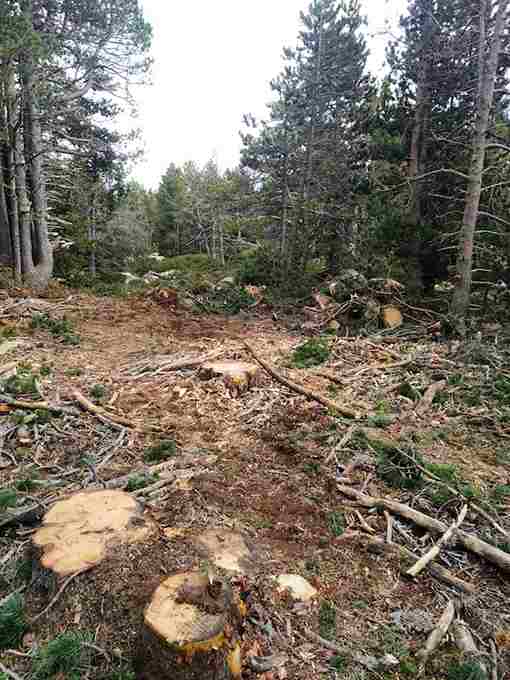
79 532
391 317
468 541
191 631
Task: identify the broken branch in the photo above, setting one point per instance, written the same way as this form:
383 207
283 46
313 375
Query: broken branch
431 555
470 542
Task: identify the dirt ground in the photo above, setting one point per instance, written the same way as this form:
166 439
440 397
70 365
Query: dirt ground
277 458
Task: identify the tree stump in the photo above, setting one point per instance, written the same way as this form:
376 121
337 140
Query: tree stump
227 550
391 317
238 376
191 631
79 532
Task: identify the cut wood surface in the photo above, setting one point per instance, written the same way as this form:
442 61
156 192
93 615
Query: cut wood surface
391 317
77 533
190 631
237 375
468 541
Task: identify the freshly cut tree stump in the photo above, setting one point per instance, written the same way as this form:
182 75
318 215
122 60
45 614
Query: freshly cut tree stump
191 631
392 317
79 532
227 550
239 376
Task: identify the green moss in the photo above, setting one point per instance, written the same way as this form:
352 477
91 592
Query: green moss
327 620
97 392
336 523
160 452
466 671
311 353
8 499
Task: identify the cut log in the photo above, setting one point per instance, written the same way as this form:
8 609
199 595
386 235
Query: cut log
191 631
239 376
79 532
391 317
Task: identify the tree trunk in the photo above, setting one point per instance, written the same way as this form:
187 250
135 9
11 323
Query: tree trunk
13 216
43 266
303 220
487 72
92 237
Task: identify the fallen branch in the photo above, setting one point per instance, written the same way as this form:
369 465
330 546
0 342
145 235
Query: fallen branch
437 570
187 362
430 393
112 419
466 643
470 542
436 636
314 396
456 492
38 406
389 527
431 555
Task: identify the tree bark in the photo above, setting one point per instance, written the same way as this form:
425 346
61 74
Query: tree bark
487 71
10 172
42 268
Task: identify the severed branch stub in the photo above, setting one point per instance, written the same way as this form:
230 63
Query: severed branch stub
436 549
436 636
191 631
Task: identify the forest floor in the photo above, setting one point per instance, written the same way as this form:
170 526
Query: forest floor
269 463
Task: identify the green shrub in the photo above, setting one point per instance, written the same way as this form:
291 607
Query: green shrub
230 300
327 620
259 267
65 654
399 467
8 499
160 452
12 622
311 353
443 471
336 523
23 382
137 482
59 328
469 670
98 392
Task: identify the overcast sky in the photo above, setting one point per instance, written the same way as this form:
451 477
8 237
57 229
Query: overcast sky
213 63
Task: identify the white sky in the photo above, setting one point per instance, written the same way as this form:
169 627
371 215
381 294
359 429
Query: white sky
213 63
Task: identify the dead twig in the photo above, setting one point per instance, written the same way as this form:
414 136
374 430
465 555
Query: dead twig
314 396
389 527
9 673
39 406
58 594
437 570
436 549
436 636
430 393
470 542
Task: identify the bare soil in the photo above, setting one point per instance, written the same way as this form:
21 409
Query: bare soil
277 457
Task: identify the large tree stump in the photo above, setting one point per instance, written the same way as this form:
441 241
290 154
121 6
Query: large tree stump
191 631
238 376
79 532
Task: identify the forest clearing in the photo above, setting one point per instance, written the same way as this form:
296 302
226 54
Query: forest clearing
283 474
254 367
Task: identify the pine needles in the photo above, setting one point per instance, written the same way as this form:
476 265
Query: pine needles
12 622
